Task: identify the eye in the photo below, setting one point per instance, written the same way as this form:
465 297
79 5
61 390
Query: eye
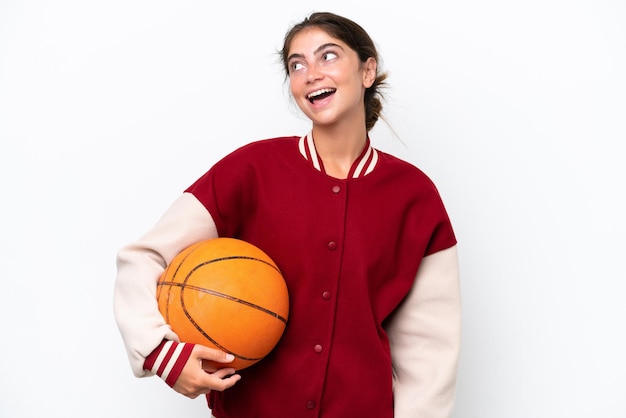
296 66
329 55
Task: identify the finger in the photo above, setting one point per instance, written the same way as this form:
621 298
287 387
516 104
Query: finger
219 381
223 357
223 373
213 354
223 383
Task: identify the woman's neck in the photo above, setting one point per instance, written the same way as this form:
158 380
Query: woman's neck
338 149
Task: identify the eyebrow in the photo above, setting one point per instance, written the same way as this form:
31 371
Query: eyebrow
317 50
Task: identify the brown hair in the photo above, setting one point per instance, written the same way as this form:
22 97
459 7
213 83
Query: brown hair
356 38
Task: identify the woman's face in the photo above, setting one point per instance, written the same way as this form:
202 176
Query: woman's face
327 79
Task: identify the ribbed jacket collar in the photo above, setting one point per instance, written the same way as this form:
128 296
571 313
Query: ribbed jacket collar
362 166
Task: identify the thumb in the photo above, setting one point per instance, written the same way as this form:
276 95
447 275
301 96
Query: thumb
212 354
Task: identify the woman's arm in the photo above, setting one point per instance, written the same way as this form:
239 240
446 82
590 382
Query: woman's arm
139 266
425 336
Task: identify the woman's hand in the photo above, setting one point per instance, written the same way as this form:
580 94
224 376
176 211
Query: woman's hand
196 379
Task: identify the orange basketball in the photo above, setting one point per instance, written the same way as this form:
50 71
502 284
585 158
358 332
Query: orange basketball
228 294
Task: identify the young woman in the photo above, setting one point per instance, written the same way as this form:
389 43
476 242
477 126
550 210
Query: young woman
363 241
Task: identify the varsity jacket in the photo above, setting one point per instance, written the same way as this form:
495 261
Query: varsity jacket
371 266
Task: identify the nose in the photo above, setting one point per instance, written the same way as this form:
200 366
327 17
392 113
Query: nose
313 74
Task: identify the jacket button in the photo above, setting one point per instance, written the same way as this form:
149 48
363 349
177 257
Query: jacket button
326 295
332 245
310 404
336 189
317 348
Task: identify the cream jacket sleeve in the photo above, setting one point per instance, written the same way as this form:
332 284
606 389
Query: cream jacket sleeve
425 336
139 266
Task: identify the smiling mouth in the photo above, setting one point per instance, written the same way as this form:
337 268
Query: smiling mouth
320 94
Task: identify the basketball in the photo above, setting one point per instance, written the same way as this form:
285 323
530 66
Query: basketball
228 294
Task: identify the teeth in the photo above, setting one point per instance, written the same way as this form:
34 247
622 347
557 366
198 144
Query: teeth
319 92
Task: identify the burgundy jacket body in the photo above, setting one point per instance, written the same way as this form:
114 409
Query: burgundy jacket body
349 251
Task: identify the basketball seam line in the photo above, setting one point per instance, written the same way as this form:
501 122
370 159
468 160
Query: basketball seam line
224 296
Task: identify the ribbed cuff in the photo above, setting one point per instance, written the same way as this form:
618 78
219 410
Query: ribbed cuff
168 359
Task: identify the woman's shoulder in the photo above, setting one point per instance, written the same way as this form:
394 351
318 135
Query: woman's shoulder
269 145
403 168
260 150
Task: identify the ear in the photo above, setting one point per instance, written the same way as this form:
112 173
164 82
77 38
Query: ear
369 72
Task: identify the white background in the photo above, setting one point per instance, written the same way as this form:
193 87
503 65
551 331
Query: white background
516 109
